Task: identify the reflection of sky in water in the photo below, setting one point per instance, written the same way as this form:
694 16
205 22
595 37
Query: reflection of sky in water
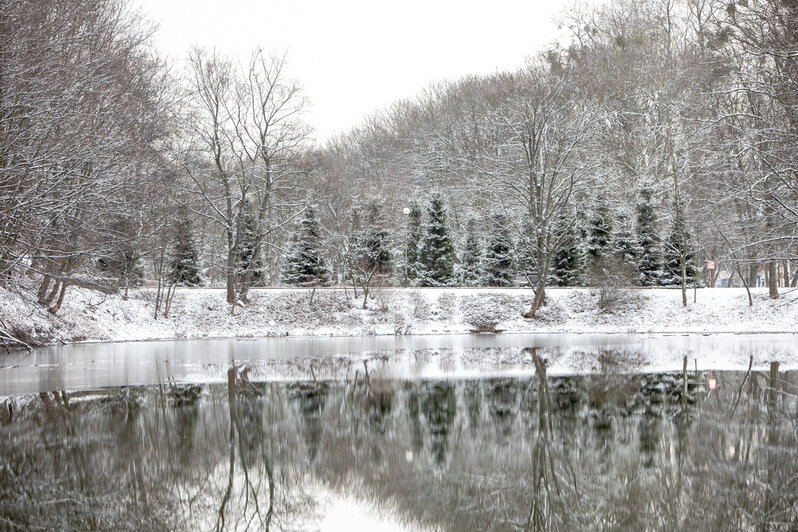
347 514
91 366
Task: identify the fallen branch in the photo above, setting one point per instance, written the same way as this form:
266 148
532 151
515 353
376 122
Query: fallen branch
6 337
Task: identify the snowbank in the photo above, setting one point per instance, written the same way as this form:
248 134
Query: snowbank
201 313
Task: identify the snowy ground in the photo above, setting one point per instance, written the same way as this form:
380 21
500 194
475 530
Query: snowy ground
203 313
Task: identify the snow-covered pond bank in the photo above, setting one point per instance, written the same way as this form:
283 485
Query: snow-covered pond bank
98 365
203 313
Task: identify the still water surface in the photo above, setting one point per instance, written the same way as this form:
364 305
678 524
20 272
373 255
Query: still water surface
92 366
608 448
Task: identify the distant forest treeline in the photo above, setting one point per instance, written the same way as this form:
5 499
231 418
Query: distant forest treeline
662 135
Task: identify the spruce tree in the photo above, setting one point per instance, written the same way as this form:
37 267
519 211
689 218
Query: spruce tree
304 265
371 242
672 274
625 246
436 253
369 256
249 269
568 259
499 254
470 271
184 265
413 239
649 262
526 253
599 236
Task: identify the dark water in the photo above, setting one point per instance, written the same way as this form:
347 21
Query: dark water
606 451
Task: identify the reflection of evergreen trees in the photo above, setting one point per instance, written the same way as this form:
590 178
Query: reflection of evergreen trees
186 423
309 400
432 409
440 408
473 398
502 399
163 463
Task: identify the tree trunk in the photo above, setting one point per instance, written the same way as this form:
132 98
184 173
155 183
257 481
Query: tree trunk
41 295
684 275
55 308
785 268
540 297
752 274
366 285
773 280
231 277
48 300
158 293
745 284
170 295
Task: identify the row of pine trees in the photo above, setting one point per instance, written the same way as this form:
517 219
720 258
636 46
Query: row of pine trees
489 256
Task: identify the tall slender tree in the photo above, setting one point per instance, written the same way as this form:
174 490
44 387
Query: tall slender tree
650 260
499 253
436 254
470 269
600 230
369 248
569 259
414 235
679 265
304 265
184 263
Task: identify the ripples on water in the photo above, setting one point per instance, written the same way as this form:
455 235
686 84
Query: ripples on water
601 451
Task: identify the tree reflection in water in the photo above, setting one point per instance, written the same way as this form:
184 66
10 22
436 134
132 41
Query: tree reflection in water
604 451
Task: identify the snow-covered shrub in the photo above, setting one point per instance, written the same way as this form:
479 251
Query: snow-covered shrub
485 311
383 296
446 305
421 310
610 275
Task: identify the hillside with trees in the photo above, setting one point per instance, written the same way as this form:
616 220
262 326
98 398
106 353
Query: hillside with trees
661 135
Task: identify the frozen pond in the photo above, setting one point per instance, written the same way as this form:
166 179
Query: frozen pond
444 433
92 366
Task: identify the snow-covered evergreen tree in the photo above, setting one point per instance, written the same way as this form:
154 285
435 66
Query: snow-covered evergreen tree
413 239
470 270
184 264
436 253
599 232
625 245
649 262
526 251
249 268
499 253
304 265
371 243
368 251
672 271
568 259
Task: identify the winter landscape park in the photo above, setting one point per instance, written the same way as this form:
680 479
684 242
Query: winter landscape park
380 266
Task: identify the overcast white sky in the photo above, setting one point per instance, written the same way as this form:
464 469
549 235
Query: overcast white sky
354 57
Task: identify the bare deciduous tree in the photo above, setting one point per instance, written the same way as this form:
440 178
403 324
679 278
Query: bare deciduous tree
245 126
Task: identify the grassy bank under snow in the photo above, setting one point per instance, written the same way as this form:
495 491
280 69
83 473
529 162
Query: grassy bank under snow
196 313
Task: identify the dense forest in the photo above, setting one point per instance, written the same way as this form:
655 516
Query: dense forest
662 135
